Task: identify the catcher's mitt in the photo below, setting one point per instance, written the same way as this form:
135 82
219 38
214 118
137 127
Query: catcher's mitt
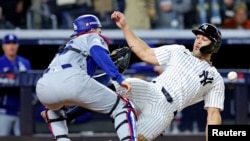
121 58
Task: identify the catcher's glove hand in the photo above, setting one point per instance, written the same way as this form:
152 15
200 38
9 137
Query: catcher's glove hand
121 58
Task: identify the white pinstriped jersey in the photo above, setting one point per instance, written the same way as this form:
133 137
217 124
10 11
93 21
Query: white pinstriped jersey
188 79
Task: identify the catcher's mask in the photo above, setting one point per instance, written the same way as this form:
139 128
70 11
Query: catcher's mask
213 34
85 22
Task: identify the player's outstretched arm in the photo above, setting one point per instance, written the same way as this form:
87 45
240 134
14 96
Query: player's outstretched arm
139 47
213 118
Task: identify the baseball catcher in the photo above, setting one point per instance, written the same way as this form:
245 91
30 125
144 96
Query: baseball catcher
69 81
121 58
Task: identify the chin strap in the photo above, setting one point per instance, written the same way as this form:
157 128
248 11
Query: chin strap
208 49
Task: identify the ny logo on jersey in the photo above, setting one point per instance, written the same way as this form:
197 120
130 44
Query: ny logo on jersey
205 80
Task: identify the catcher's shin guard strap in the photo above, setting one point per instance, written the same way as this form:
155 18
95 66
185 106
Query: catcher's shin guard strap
125 122
122 122
128 138
55 120
61 136
57 124
60 118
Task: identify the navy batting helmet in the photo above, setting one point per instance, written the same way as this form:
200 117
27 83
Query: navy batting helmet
212 33
86 22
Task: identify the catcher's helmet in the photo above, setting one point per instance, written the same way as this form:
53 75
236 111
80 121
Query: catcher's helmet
212 33
86 22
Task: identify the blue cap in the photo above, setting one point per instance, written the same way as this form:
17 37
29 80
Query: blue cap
10 38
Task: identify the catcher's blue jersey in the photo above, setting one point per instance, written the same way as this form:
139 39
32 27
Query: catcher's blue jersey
9 101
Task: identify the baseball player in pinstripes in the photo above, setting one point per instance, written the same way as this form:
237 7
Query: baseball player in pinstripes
68 81
188 78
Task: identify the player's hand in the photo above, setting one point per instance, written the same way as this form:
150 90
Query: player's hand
125 84
119 19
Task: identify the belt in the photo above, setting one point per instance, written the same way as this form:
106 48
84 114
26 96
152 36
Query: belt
167 95
64 66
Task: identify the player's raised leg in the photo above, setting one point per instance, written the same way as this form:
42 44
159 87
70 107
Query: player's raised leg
152 108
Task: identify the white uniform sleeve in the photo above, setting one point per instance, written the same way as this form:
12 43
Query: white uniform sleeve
216 95
164 53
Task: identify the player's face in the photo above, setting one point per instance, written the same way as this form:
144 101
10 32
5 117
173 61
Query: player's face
10 49
199 42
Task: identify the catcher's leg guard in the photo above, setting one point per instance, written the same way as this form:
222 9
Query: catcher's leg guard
124 116
57 124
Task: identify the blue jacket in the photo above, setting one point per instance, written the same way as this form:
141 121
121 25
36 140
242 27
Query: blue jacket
9 97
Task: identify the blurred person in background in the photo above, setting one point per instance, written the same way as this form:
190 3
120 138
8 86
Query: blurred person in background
65 11
49 7
71 9
227 8
5 24
15 11
203 11
104 11
11 63
239 20
171 13
140 13
248 7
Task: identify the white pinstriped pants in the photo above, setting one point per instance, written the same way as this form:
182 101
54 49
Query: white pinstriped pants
154 112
